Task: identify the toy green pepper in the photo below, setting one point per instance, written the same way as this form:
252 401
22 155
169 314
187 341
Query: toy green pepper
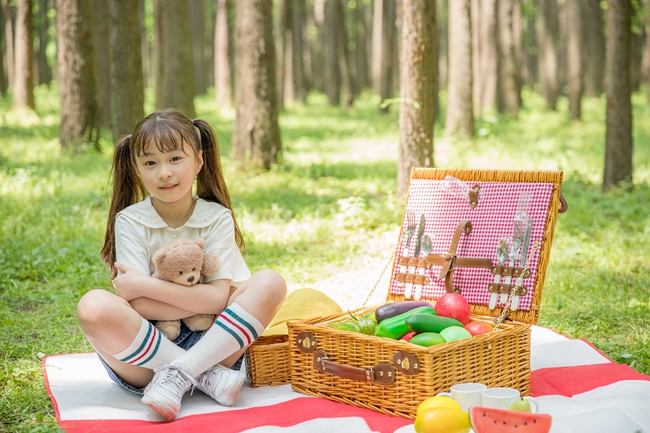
395 327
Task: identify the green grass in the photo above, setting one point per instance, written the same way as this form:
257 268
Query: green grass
334 187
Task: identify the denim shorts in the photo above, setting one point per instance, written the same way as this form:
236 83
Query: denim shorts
186 339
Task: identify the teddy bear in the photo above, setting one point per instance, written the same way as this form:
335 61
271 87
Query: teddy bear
183 261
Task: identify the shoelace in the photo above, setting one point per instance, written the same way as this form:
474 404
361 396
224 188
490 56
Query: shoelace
175 375
207 379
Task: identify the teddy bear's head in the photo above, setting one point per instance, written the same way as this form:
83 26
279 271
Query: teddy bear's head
182 261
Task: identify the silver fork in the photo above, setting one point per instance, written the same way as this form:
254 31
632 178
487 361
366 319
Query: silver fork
410 229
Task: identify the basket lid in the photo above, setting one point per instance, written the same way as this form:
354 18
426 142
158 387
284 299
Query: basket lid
480 224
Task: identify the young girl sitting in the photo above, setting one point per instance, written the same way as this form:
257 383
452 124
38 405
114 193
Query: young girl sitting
163 156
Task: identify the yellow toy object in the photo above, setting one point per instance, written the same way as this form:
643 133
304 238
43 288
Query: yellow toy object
441 414
183 261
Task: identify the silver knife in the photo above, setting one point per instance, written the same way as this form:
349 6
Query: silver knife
419 243
522 260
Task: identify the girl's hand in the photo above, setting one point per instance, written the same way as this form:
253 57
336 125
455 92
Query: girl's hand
127 284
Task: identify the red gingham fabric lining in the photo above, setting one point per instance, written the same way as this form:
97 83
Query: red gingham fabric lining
491 220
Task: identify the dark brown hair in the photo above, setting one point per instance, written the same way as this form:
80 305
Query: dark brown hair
162 129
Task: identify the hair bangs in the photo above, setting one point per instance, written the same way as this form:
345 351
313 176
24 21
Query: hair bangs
166 134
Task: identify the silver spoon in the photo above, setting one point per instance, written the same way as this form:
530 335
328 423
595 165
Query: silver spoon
427 246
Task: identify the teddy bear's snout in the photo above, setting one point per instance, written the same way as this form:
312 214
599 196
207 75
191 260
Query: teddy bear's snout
190 279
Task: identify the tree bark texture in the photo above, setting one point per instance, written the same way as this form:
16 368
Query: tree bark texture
43 68
222 83
75 72
196 10
361 37
574 59
531 76
8 13
417 58
442 31
345 70
507 88
548 60
297 48
460 114
332 47
23 90
594 51
4 85
256 134
285 60
618 89
157 57
388 52
318 63
101 62
176 58
126 85
485 57
646 56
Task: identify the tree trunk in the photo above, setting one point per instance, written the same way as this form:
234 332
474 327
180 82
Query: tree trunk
594 38
318 47
146 50
222 84
530 53
157 52
4 85
388 51
548 60
23 91
102 64
460 114
361 37
485 57
646 56
285 83
9 12
442 31
256 134
331 39
375 60
126 85
517 39
345 71
297 64
196 10
574 56
75 72
176 58
43 68
417 86
507 95
618 135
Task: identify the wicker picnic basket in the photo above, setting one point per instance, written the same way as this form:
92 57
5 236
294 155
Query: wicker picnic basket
467 213
267 361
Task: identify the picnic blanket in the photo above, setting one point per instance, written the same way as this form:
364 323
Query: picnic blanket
581 388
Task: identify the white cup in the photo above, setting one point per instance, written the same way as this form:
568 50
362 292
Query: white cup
503 398
466 394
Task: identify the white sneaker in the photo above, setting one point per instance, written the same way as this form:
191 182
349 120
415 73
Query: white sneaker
165 391
221 383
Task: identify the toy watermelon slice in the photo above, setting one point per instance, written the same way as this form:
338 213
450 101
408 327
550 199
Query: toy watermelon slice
489 420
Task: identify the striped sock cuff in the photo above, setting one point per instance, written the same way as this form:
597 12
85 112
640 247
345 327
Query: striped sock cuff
144 347
243 327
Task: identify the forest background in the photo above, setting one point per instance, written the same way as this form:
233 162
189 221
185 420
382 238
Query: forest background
322 107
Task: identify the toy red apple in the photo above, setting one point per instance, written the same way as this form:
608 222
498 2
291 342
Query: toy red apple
453 305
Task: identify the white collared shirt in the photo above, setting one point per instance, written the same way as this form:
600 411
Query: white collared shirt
140 232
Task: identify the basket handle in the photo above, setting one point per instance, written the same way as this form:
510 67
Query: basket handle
382 373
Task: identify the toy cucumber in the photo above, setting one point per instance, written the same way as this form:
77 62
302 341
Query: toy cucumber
427 339
490 420
396 308
396 328
430 323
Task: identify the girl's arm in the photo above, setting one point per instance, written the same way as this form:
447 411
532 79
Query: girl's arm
209 298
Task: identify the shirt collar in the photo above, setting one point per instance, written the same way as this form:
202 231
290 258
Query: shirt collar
204 214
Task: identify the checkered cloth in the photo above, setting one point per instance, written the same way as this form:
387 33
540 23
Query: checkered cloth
492 219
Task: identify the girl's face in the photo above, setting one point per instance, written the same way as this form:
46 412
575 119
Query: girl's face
169 175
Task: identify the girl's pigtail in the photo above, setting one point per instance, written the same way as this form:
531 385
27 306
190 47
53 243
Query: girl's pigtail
127 190
210 183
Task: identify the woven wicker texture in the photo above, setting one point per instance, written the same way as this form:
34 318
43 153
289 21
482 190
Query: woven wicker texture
500 358
268 361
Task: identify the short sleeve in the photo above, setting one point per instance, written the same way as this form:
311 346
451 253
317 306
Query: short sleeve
220 239
131 245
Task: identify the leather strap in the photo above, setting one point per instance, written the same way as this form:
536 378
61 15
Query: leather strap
382 374
464 226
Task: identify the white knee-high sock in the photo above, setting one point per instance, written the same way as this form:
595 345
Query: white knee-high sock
234 329
149 348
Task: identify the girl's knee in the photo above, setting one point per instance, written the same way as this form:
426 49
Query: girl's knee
273 282
97 306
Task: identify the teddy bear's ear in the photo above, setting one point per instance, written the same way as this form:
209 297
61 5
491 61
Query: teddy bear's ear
200 242
211 264
159 257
